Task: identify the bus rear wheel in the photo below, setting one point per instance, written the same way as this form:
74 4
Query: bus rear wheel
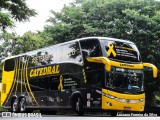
22 105
14 105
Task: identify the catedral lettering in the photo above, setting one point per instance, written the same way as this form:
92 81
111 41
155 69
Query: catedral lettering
44 71
94 73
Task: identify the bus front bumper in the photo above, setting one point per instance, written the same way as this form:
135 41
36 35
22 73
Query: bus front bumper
122 102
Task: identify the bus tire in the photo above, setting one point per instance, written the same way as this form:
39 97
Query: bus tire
78 105
22 105
14 105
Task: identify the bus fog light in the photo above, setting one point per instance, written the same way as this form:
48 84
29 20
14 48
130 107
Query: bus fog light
109 104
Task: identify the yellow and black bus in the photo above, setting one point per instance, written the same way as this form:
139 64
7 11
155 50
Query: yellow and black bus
92 73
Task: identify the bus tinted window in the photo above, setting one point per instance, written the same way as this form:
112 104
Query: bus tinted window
9 65
54 82
71 52
121 51
90 48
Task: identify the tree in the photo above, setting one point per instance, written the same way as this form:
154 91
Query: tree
29 41
11 10
14 44
134 20
8 44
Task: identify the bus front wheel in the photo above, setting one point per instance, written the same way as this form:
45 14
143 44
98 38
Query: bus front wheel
78 105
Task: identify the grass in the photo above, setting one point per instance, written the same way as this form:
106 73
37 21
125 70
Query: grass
2 109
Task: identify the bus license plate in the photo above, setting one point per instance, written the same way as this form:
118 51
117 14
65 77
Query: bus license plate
127 108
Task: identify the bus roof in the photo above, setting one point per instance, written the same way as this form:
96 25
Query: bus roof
107 38
79 39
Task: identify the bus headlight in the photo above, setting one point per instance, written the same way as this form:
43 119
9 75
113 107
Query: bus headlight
120 69
108 95
142 99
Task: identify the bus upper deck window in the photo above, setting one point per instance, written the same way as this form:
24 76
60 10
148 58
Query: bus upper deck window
9 65
90 48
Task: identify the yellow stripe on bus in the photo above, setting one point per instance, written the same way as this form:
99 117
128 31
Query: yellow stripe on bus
24 74
29 85
17 75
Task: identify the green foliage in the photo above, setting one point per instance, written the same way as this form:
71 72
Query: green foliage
11 10
2 109
14 44
8 44
29 41
5 20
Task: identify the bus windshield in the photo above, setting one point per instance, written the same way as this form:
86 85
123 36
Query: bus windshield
121 51
125 80
122 79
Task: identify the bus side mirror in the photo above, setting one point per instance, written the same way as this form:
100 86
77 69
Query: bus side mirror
103 60
154 68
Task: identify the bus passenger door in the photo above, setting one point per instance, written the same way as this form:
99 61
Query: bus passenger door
94 72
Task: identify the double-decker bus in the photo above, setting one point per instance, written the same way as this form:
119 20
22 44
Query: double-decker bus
93 73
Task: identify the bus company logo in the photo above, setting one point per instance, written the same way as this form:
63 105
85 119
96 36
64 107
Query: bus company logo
111 50
10 114
126 65
6 114
49 70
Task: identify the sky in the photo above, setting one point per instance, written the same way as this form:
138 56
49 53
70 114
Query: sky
42 7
